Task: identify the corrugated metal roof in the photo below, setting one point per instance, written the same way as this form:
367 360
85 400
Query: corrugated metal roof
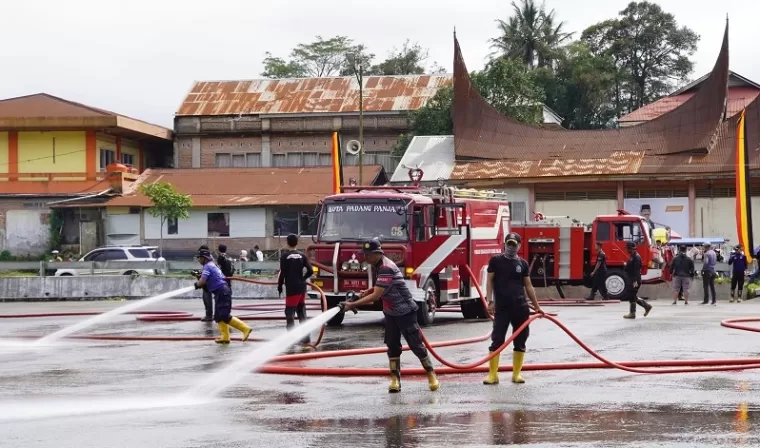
738 99
241 187
311 95
481 132
434 155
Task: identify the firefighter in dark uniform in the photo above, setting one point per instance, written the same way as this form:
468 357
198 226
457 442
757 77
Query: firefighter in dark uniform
400 313
599 274
213 279
508 283
633 269
295 269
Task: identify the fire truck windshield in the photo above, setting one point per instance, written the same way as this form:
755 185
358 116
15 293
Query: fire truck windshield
357 221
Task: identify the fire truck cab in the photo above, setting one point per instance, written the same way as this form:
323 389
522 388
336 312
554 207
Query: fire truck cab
561 251
429 233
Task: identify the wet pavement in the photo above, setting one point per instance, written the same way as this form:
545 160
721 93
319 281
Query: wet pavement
130 394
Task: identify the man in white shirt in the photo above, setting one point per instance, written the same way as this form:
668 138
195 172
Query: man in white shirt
259 254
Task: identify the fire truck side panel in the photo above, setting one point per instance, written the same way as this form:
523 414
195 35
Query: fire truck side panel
577 251
489 224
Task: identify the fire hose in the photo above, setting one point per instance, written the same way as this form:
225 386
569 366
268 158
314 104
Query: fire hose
642 367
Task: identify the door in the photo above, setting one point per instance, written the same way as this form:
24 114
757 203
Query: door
624 232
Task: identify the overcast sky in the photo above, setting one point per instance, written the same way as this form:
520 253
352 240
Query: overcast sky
140 57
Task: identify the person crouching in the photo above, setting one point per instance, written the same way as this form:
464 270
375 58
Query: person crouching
216 283
400 313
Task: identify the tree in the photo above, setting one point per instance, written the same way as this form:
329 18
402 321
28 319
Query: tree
405 61
581 88
531 35
648 48
167 204
321 58
506 84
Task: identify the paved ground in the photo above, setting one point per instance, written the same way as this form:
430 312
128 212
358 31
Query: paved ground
129 394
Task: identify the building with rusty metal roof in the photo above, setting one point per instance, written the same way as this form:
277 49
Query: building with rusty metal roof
289 122
240 207
677 166
53 149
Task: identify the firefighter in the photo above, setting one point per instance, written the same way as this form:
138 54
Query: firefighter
739 263
295 269
208 301
508 284
682 268
213 279
599 274
400 313
633 269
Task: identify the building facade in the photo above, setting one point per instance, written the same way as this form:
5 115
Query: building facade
240 207
55 150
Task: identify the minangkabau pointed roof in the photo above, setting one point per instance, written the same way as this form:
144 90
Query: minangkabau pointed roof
694 137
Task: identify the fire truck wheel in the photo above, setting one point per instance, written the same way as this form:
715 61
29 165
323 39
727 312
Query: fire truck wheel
615 283
426 310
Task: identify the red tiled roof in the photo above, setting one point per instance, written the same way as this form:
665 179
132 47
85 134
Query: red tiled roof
311 95
245 187
738 99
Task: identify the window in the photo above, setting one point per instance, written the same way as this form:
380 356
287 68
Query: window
128 159
238 160
218 224
358 221
299 222
628 231
517 212
93 256
253 160
172 226
602 231
107 157
139 253
113 254
223 161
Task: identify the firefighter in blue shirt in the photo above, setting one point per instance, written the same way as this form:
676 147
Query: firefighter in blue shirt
216 283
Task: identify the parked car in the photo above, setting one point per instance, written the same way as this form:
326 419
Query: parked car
115 253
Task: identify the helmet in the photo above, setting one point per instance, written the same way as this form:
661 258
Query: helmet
512 237
372 247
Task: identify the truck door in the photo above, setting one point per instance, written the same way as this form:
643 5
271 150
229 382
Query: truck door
624 231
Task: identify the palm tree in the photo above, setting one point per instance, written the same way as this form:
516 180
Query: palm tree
530 35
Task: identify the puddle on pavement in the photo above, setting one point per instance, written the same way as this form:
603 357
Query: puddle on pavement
600 428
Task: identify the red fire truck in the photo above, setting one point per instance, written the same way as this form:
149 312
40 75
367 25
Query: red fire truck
562 251
430 233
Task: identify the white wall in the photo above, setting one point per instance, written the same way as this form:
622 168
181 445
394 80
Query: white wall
717 218
27 232
122 229
584 211
244 223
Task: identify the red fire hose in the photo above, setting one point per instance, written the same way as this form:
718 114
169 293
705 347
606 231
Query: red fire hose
650 367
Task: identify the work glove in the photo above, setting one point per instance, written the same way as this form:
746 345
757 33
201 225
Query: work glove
279 289
197 285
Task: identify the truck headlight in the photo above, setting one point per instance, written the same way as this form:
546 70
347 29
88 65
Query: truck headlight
344 266
365 266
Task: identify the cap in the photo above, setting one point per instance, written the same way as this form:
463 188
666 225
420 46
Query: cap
372 247
630 245
512 237
205 253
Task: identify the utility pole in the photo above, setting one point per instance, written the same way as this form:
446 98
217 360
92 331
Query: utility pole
356 64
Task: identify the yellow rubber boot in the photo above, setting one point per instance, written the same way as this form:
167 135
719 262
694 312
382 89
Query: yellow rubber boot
493 371
517 363
224 330
241 327
395 365
433 383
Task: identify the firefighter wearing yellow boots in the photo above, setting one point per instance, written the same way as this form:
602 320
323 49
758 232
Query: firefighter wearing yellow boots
508 283
400 314
215 282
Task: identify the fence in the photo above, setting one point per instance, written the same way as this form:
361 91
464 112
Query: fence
115 267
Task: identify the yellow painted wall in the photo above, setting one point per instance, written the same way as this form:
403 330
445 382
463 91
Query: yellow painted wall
117 210
35 152
3 152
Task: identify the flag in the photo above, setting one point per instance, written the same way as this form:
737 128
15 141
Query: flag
743 190
337 164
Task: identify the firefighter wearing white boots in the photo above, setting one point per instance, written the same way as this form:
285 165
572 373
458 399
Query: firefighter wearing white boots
508 283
